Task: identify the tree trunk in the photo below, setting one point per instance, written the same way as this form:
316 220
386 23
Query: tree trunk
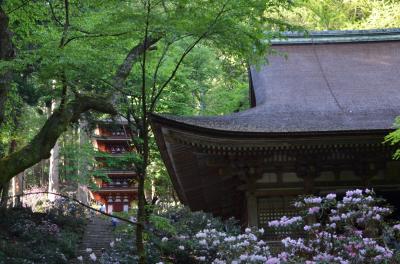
43 175
17 189
54 176
82 193
4 195
141 219
40 146
7 52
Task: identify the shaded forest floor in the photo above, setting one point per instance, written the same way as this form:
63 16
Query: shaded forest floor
39 237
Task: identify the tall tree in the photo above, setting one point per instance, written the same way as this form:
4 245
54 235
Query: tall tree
235 29
80 90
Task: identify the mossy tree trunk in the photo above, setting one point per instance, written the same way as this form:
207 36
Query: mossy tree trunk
40 146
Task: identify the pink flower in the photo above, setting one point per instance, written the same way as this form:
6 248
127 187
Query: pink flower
313 210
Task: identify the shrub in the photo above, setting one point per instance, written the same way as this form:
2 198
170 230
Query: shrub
49 235
354 229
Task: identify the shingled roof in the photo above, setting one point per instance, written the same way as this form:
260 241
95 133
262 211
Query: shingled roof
329 81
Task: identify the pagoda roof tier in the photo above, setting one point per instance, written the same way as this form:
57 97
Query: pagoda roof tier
118 120
111 138
345 86
119 172
119 190
104 154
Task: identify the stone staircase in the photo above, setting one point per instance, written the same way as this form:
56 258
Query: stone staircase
98 235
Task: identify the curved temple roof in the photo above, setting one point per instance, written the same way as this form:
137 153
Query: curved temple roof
332 87
329 81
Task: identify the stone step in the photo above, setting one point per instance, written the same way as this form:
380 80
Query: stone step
98 236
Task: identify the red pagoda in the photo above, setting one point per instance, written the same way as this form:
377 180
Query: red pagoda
112 141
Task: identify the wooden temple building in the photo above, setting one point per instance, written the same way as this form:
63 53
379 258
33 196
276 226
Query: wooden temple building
112 140
316 125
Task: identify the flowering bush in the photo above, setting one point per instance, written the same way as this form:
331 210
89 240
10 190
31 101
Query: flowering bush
350 230
219 248
37 237
354 229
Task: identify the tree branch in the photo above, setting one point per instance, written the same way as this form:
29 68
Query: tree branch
66 24
126 67
54 14
24 3
185 53
78 202
95 36
40 146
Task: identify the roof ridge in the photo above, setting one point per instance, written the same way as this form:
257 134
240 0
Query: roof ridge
337 36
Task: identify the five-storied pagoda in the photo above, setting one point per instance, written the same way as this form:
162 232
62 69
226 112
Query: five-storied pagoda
112 140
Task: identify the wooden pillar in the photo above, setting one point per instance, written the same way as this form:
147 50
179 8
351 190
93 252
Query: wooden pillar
251 201
252 212
308 172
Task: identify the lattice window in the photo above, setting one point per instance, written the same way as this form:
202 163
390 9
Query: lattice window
273 208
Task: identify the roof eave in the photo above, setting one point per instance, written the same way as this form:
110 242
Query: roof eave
246 134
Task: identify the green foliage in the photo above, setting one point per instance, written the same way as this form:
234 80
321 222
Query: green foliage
394 138
345 14
163 224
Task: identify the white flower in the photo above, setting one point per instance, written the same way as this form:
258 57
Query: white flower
201 235
164 239
331 196
181 247
112 244
309 200
298 204
88 250
215 243
93 257
247 230
203 242
377 217
261 230
118 239
334 218
80 258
